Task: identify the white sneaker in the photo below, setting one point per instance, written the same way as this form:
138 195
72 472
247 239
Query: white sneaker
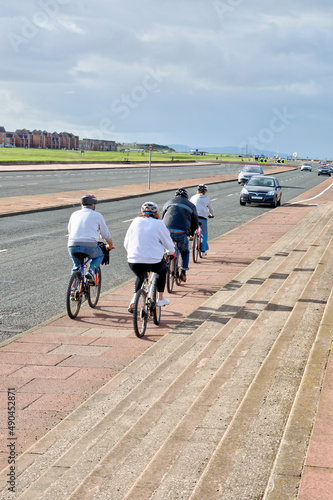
163 302
204 254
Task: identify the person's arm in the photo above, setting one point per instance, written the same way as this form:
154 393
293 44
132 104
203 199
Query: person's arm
109 245
166 240
194 220
210 208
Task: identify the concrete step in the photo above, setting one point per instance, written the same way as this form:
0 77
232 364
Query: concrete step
175 402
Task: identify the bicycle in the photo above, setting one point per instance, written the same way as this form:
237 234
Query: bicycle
173 270
79 289
145 305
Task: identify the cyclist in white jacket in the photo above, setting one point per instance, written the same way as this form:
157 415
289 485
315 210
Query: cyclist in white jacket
205 210
146 240
85 228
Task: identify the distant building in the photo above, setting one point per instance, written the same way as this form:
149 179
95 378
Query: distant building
23 138
97 145
199 153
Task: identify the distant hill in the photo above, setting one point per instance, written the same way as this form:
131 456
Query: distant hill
181 148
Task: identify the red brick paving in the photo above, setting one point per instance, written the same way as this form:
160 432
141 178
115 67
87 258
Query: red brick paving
58 366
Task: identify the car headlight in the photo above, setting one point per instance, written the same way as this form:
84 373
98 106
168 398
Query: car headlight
244 191
271 193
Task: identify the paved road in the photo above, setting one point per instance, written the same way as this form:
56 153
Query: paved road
40 182
33 290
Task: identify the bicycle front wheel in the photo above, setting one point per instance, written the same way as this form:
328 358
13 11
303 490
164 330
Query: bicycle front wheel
140 315
195 248
170 276
94 291
74 295
156 309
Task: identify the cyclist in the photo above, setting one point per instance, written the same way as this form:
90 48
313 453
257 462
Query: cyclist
145 241
205 210
85 228
181 218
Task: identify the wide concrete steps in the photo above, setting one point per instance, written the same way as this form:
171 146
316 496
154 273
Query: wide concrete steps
220 407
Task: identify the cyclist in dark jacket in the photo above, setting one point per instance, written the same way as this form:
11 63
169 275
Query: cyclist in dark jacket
181 218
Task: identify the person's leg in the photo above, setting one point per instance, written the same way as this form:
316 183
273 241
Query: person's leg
185 251
96 255
160 269
204 235
138 270
76 261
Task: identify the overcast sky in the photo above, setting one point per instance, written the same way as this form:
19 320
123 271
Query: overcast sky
251 74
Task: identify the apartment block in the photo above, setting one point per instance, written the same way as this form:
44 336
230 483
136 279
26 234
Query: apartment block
97 145
23 138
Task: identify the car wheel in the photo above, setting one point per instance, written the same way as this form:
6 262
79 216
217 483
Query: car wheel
279 203
242 203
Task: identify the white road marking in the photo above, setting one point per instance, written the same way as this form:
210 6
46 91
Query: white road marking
129 220
314 197
4 250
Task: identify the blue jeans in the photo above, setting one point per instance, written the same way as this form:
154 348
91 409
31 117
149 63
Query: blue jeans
204 234
94 253
182 242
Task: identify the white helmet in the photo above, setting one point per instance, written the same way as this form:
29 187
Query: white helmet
149 207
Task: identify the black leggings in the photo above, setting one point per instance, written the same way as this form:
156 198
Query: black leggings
140 269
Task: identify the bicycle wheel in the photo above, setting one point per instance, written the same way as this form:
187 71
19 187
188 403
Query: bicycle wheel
140 316
178 270
156 309
74 295
195 249
170 275
94 291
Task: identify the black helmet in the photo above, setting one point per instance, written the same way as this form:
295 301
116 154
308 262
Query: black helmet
149 207
88 200
182 192
202 188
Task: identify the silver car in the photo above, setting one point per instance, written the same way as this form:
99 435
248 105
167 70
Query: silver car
248 171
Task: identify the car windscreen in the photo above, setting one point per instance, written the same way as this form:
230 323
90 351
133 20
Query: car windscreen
261 181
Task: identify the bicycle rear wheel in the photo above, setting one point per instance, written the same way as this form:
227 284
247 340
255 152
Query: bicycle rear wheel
94 291
170 277
178 270
156 309
195 248
74 295
140 316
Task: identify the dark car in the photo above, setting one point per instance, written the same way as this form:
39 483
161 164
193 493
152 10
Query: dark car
261 190
324 170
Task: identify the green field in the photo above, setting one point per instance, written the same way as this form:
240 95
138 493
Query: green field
8 155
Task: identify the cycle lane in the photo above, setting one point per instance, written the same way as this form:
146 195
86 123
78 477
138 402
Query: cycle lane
57 366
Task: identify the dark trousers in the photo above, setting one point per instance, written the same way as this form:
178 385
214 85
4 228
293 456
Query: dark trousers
140 269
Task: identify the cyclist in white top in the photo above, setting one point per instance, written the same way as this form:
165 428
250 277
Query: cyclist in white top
85 229
146 240
205 210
